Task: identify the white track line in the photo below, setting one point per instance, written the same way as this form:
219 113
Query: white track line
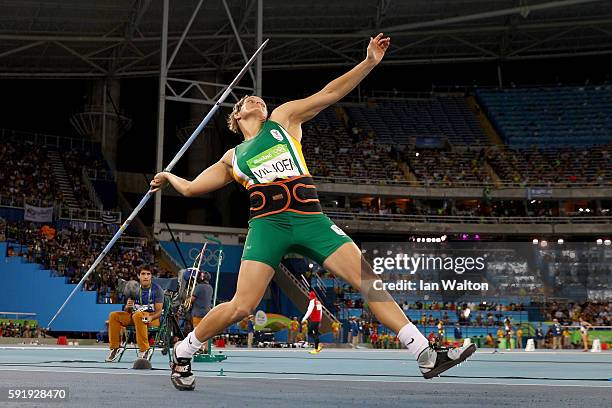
226 376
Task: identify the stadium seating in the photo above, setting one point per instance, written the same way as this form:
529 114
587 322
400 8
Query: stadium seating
331 152
25 175
551 117
30 173
398 121
448 167
68 253
563 165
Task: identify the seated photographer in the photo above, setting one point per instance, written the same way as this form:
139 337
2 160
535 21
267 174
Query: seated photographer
143 308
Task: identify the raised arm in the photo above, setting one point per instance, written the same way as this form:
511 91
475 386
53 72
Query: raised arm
294 113
211 179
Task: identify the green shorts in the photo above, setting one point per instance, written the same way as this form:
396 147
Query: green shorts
312 235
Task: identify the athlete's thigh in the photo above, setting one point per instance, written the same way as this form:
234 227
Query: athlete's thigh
317 237
267 241
346 263
253 279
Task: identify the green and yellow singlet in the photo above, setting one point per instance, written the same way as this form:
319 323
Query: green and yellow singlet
272 154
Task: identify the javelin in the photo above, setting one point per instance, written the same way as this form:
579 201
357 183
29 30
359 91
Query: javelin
168 168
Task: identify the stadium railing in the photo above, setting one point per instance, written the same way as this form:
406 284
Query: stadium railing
467 219
459 183
41 139
79 214
18 202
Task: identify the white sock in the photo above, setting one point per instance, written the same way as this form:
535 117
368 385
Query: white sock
412 338
189 346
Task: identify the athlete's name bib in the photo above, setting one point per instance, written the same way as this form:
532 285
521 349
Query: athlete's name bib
272 164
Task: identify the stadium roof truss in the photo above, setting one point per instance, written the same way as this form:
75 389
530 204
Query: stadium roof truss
122 38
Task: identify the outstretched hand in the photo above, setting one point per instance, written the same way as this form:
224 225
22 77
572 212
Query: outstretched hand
377 48
159 181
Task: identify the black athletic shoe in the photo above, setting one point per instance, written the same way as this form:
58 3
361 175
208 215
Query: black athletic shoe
434 362
182 378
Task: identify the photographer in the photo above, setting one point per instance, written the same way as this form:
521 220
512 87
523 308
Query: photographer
142 309
201 301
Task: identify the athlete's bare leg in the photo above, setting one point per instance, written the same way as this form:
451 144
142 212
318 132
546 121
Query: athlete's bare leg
253 279
347 263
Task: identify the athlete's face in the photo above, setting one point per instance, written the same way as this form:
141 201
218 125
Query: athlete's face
254 105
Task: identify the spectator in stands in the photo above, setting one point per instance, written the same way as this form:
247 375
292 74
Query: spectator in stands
445 318
441 333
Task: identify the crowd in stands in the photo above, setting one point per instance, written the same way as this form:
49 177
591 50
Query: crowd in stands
26 176
582 269
547 166
9 328
596 313
468 208
330 147
69 252
475 208
373 134
74 161
453 306
447 168
501 331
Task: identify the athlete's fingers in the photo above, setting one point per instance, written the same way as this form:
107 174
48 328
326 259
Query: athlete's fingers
384 41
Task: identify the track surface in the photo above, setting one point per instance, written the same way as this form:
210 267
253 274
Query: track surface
267 378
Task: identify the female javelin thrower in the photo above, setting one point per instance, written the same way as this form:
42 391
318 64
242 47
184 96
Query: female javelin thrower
285 216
